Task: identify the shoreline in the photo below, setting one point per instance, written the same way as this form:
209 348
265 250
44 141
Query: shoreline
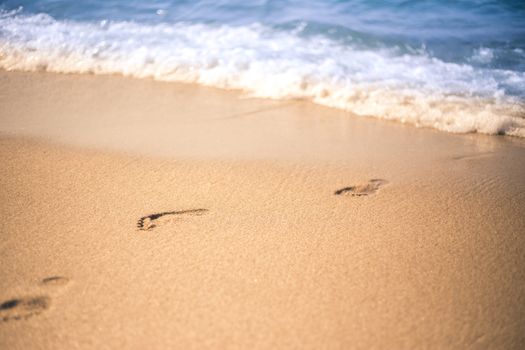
143 116
163 221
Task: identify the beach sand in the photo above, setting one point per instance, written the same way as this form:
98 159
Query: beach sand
146 215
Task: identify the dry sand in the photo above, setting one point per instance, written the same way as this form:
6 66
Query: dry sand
423 246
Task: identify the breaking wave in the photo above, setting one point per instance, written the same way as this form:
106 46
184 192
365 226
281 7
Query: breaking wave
393 82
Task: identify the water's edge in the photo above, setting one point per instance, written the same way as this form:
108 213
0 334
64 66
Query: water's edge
409 86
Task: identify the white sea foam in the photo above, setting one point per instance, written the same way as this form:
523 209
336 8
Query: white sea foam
412 88
483 55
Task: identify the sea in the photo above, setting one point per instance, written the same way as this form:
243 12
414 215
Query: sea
453 65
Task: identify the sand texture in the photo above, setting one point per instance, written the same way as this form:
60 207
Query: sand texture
143 215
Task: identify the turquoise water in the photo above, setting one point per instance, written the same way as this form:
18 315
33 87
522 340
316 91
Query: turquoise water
457 66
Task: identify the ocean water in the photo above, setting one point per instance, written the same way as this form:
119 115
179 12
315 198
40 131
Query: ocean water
457 66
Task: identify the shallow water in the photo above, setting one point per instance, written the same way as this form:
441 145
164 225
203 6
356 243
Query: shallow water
457 66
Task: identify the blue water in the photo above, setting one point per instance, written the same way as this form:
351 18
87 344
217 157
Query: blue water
458 66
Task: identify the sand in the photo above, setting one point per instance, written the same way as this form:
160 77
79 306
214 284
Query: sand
145 215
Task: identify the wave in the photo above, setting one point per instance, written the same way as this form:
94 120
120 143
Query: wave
402 84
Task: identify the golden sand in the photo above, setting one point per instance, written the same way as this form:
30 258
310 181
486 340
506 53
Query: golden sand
142 215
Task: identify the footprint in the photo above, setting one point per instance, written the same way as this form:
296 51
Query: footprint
54 281
26 307
148 223
23 308
365 189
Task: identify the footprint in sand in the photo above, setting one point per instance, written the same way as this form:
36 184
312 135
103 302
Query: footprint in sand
54 281
148 223
365 189
23 308
28 306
